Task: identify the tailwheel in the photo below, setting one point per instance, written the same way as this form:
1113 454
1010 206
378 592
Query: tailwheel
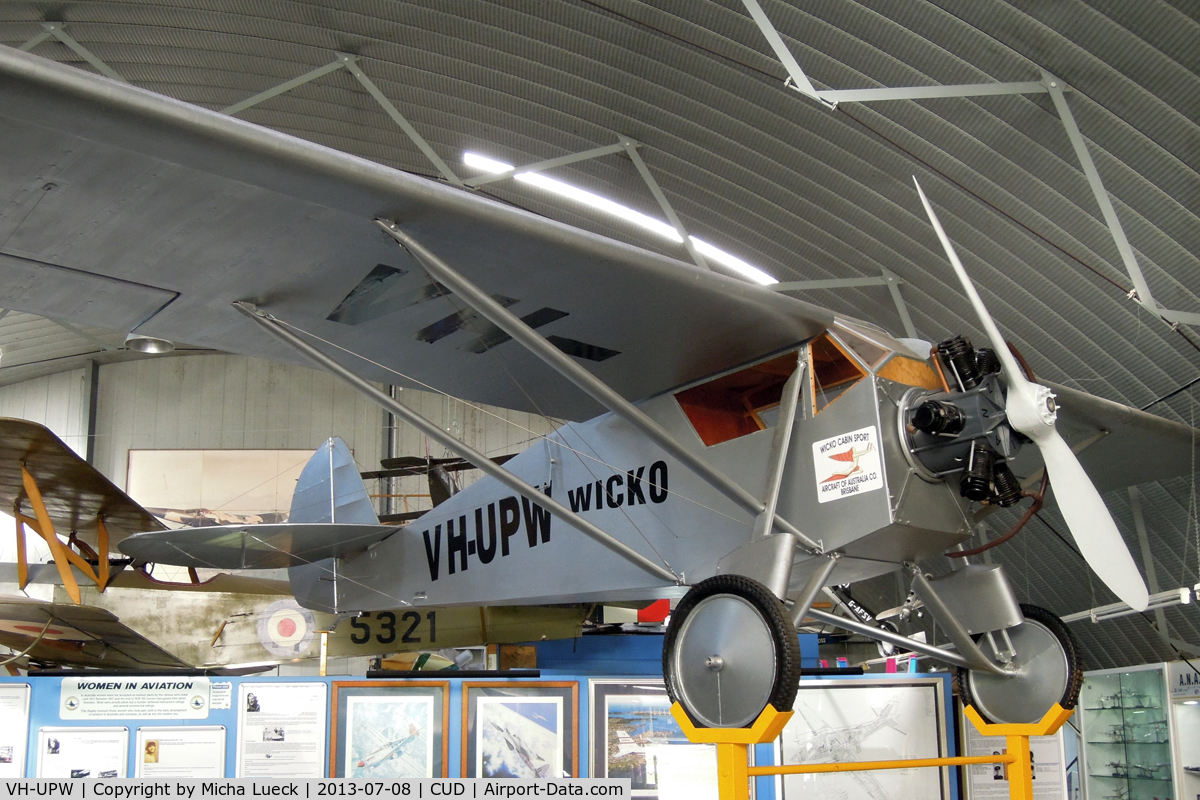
729 651
1045 671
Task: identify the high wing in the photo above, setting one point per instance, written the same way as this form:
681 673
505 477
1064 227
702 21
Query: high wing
77 635
133 210
1121 446
75 494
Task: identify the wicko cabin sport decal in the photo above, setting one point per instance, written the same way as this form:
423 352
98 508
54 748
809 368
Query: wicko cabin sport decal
847 464
497 523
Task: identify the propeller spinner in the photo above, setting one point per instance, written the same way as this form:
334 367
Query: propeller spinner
1031 410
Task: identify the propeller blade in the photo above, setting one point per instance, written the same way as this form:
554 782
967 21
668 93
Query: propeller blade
1013 373
1031 410
1091 525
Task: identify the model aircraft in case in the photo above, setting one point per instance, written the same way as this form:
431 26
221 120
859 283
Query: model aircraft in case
726 445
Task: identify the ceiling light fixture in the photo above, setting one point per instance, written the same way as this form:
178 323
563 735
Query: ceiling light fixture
623 212
148 344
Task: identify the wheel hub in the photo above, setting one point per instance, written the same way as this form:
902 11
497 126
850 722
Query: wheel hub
726 662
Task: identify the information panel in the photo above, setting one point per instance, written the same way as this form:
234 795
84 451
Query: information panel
281 730
196 751
82 752
14 733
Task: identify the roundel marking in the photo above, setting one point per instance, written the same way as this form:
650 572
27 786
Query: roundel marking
286 629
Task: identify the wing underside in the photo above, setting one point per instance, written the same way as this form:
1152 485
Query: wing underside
212 210
77 636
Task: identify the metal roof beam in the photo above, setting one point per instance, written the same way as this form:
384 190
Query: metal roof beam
830 283
286 86
796 76
542 166
1141 291
631 146
398 118
54 30
836 96
1139 522
350 64
888 279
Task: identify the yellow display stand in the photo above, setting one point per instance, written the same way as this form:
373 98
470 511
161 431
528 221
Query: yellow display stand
733 763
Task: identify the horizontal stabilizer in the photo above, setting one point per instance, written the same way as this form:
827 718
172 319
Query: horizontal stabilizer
254 546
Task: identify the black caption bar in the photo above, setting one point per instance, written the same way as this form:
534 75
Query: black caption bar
453 788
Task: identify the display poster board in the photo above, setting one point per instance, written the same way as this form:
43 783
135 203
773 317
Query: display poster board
990 781
94 753
194 751
865 720
14 733
387 730
281 730
635 736
525 730
136 697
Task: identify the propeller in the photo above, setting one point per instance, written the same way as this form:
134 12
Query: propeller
1032 410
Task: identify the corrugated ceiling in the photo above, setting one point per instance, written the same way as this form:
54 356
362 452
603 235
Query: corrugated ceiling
798 190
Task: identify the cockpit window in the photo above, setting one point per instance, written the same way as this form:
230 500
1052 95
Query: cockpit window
832 371
739 403
868 351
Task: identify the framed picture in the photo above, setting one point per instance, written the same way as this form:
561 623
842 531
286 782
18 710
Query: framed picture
865 720
634 736
525 729
384 730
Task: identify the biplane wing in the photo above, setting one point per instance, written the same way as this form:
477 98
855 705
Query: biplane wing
133 210
87 636
75 494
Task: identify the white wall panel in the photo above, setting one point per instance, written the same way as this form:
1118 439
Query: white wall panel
56 401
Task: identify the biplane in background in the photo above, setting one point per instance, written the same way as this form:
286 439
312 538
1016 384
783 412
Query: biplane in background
91 611
727 445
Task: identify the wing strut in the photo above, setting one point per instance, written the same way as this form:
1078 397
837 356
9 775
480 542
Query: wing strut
433 431
596 388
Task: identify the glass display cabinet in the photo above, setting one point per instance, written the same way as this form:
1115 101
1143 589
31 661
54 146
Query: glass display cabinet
1128 734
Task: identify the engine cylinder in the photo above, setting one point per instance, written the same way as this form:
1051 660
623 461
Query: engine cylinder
976 483
987 361
958 356
935 417
1007 487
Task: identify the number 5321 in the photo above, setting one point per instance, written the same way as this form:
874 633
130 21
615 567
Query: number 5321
384 627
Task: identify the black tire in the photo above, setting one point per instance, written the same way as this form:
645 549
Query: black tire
1070 646
786 663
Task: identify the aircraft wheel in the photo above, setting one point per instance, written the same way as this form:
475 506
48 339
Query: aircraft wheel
1048 671
729 651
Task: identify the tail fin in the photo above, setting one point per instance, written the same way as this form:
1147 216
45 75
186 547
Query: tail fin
330 490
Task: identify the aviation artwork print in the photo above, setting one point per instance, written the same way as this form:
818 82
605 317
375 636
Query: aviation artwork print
725 446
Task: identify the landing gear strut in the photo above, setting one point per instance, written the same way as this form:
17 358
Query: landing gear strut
1045 670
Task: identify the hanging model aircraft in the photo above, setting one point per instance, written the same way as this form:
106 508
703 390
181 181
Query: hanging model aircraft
84 610
726 444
